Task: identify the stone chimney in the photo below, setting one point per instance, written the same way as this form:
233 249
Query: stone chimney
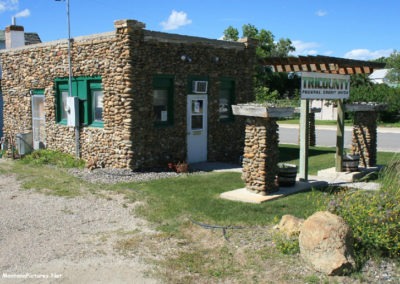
14 35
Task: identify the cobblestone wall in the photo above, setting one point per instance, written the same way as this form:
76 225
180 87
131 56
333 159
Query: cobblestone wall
261 155
127 60
364 140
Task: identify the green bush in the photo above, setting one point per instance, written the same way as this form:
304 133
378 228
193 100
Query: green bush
374 217
55 158
380 93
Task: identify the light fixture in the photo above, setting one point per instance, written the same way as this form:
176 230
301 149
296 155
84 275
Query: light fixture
186 58
215 59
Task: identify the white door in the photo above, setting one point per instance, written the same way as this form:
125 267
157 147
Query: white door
38 122
196 128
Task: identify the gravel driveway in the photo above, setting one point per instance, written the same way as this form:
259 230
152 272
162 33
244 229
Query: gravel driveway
49 239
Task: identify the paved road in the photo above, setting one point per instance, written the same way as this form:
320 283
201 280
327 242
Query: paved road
388 138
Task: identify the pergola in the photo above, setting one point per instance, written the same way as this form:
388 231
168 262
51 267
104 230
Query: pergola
319 63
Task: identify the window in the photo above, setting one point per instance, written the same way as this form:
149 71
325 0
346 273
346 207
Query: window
226 99
97 105
90 94
163 92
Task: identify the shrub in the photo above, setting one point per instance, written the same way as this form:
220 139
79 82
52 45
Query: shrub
374 216
49 157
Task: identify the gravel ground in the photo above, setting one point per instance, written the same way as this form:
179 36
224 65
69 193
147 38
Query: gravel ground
49 239
119 175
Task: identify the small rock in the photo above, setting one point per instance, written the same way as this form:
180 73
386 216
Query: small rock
290 225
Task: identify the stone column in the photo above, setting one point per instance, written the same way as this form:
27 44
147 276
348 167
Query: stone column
261 155
364 140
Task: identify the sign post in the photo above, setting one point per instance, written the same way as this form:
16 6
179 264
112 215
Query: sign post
322 86
304 138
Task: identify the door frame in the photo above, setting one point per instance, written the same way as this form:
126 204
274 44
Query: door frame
193 152
42 140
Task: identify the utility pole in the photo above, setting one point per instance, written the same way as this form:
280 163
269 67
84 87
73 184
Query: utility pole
77 152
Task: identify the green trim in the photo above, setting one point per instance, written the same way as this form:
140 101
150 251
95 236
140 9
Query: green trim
82 88
60 87
38 92
228 84
165 82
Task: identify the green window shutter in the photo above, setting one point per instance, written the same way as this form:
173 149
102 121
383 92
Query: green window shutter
61 90
95 103
226 99
82 87
163 100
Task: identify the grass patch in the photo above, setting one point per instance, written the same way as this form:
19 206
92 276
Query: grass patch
49 180
197 196
55 158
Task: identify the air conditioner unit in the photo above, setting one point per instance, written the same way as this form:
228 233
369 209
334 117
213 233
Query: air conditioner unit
200 87
24 143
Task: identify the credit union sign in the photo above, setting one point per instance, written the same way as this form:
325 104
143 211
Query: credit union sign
324 86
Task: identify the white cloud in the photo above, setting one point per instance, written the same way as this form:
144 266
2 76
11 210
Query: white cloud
305 48
23 14
321 13
366 54
176 20
8 5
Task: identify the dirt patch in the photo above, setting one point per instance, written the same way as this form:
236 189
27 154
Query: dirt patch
49 239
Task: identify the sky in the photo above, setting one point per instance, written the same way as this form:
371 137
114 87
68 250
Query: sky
356 29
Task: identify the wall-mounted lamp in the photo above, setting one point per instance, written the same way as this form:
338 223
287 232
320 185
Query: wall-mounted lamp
186 58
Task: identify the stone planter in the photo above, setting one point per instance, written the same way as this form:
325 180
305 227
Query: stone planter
350 163
287 174
362 106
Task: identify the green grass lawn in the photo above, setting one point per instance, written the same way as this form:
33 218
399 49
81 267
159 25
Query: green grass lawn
172 202
197 196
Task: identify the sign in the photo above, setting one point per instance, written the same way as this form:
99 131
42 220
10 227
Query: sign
324 86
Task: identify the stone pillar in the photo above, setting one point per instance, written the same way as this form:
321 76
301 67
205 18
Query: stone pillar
364 140
261 155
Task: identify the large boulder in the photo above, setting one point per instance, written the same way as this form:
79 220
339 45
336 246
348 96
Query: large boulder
290 225
326 242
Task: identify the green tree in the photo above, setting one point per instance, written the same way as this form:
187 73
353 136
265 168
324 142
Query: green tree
231 34
269 85
267 46
393 62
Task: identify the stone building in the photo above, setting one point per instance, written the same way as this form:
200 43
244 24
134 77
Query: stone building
145 98
14 36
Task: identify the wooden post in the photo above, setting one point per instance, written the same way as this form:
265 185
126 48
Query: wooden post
340 136
304 140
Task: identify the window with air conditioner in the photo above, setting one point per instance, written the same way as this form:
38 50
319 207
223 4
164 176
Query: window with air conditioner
200 87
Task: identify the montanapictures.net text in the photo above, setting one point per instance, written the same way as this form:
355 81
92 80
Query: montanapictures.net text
31 276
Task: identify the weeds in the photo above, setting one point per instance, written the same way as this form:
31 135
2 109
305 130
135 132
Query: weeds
285 244
55 158
373 216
